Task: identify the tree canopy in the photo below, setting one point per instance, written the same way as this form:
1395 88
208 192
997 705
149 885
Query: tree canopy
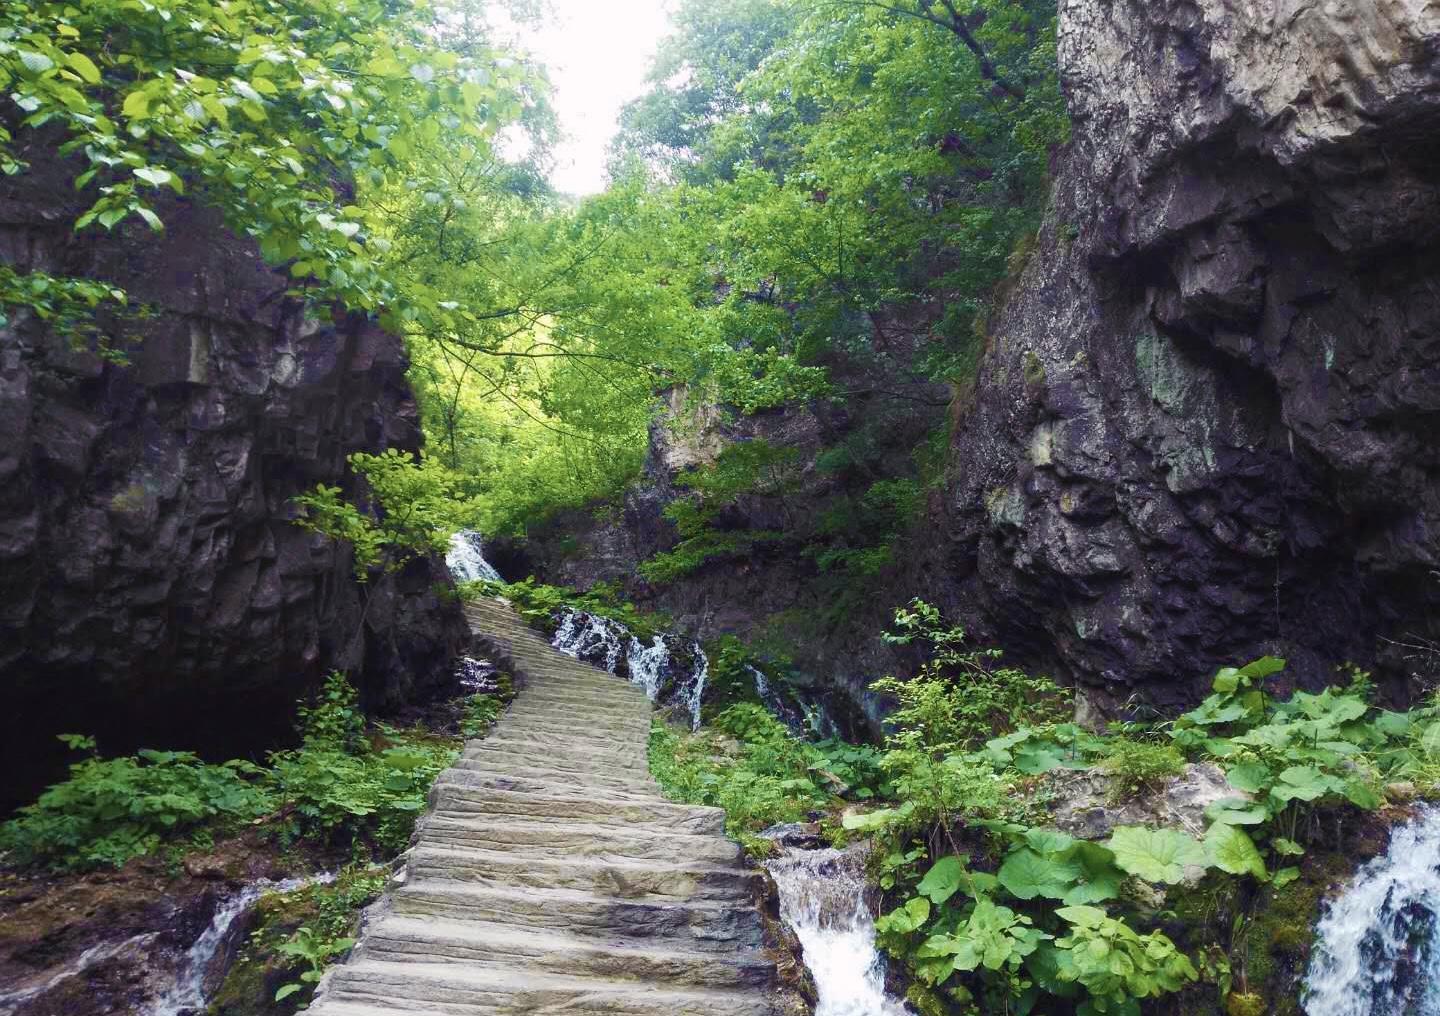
800 176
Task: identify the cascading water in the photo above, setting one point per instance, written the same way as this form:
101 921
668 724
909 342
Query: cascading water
824 900
609 644
188 994
592 638
777 704
1377 948
466 558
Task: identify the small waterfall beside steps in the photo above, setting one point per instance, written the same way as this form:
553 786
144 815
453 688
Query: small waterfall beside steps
1377 947
195 975
668 667
825 901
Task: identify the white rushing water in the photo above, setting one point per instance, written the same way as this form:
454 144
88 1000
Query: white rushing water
824 900
466 558
1377 947
656 668
187 995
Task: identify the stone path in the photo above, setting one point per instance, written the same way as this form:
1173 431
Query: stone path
551 876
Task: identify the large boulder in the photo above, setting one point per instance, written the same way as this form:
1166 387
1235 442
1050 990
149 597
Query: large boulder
1206 426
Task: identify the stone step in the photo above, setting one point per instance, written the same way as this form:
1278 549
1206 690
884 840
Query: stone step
550 875
504 947
635 730
538 759
577 839
554 807
600 748
490 773
581 705
622 878
374 988
691 925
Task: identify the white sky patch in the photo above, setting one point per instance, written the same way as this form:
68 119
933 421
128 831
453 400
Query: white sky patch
598 53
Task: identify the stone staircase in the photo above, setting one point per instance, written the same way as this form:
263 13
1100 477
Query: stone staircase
551 876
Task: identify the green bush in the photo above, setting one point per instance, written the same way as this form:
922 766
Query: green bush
1138 766
111 810
538 604
338 787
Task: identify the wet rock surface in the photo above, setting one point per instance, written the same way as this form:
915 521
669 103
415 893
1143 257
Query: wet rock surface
114 942
1205 427
153 589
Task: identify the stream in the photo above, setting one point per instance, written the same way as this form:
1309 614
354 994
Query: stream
1377 946
825 900
195 977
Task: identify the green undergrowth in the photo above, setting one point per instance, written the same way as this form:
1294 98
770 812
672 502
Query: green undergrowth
749 763
350 787
991 908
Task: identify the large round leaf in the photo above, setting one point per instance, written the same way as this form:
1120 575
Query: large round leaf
1026 875
1231 849
1156 855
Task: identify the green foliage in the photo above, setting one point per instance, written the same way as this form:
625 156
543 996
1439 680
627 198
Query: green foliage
341 788
199 95
750 764
960 698
1139 765
749 467
483 710
416 511
295 936
1156 855
539 604
317 952
1115 964
110 810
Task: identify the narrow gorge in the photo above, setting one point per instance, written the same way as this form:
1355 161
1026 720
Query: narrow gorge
921 508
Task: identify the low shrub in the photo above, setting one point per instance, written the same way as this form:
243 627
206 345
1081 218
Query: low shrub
111 810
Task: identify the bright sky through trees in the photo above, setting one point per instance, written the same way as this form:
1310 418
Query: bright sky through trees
598 52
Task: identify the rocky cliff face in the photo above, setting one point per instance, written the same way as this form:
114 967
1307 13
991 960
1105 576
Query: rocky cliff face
153 589
1208 424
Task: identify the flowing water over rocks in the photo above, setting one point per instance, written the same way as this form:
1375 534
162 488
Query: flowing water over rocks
196 976
1377 948
552 875
668 668
466 558
826 902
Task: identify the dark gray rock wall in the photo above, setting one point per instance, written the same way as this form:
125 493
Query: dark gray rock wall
153 589
1208 423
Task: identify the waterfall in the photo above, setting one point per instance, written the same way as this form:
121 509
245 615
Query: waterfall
592 638
657 668
777 704
1377 947
696 689
188 994
825 901
466 558
648 664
